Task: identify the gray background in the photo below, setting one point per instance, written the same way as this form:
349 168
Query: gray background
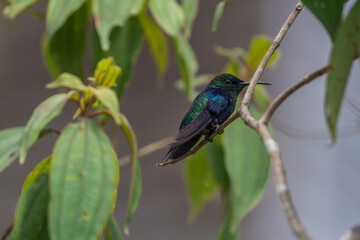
324 178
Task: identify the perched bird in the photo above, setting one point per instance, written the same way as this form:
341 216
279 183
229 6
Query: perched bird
207 112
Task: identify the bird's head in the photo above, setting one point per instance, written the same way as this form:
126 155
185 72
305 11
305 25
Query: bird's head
230 82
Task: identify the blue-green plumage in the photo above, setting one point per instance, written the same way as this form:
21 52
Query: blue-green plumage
209 109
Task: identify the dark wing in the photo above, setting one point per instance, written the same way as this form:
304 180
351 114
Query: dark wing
209 112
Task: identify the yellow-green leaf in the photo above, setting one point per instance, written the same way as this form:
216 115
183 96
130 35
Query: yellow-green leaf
9 145
67 80
257 50
190 9
84 175
111 13
41 168
168 14
31 212
42 115
220 7
346 47
135 187
108 98
157 44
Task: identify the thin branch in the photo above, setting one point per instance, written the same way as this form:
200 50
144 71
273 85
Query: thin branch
244 106
285 94
352 234
146 150
282 187
270 144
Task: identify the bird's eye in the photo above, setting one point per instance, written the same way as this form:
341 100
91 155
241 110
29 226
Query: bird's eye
228 81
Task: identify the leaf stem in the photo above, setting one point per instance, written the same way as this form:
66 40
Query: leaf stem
7 231
104 111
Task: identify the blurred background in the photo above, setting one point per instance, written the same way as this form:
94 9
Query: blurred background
323 176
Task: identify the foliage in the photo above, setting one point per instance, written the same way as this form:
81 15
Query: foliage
346 40
346 48
72 193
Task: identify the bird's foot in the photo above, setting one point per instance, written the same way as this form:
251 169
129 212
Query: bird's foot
209 139
216 129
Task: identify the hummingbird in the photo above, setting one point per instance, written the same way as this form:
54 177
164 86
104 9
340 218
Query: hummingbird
208 111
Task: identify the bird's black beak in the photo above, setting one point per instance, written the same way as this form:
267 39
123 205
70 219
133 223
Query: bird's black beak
247 83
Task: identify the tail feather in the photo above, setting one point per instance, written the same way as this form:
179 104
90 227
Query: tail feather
167 156
179 151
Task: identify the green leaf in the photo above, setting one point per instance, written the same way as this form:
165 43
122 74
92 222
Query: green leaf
112 230
234 65
187 63
168 14
64 50
9 145
232 69
190 9
224 232
84 175
247 165
42 167
214 154
346 44
16 7
108 98
125 47
157 44
42 115
111 13
257 50
220 7
31 212
328 12
67 80
199 183
135 187
58 11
